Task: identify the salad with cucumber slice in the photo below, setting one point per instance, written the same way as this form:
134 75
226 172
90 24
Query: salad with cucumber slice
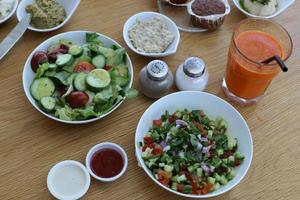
191 153
79 82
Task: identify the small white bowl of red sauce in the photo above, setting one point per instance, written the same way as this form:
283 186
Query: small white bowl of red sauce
106 161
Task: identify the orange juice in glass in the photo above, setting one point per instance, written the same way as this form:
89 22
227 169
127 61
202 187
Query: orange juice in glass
254 41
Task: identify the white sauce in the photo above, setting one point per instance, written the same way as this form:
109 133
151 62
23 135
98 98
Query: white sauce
68 180
6 7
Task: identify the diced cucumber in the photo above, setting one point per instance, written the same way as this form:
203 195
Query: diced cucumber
121 81
225 160
210 134
223 180
220 152
191 169
211 180
217 176
187 189
43 87
168 168
231 158
64 59
48 103
147 153
98 79
161 165
238 155
232 142
216 186
231 175
75 50
80 81
174 186
99 61
181 178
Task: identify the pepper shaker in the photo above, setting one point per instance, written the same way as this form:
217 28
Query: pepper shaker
192 75
156 79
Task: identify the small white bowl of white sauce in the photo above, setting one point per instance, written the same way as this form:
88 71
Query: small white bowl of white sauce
68 179
7 9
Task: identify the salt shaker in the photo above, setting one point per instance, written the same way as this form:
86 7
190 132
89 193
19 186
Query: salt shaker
156 79
192 75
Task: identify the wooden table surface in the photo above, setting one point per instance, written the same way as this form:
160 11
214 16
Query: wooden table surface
30 143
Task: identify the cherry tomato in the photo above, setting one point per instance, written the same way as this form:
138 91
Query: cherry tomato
77 99
38 58
61 49
157 123
151 146
148 140
84 66
163 177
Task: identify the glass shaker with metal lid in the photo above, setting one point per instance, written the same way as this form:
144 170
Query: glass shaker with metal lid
155 79
192 75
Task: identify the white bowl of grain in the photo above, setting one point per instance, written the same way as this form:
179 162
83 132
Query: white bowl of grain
151 34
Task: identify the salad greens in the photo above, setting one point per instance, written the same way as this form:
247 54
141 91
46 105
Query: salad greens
79 82
191 153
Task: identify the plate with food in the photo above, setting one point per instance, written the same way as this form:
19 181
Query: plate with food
195 15
194 144
151 34
263 8
7 9
47 15
77 77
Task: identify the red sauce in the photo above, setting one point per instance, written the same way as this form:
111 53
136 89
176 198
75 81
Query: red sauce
107 163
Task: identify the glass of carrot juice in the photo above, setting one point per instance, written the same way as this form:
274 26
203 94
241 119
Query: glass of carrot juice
254 41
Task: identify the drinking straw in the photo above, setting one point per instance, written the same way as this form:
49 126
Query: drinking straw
279 62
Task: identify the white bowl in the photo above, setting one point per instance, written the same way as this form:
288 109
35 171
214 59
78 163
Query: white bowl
106 145
55 187
213 106
11 12
77 37
70 7
282 6
146 16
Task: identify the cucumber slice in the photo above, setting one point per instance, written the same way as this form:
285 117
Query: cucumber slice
75 50
52 66
48 103
98 79
91 96
99 61
64 59
121 81
80 81
71 78
43 87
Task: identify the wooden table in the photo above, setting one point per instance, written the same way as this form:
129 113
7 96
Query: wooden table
30 143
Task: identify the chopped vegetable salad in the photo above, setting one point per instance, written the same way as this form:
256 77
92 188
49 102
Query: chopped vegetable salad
191 153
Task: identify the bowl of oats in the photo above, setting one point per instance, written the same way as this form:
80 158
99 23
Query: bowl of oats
7 9
151 34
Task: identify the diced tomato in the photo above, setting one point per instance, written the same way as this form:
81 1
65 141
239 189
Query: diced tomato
83 66
148 140
151 146
200 128
157 123
172 119
207 188
158 150
180 187
163 177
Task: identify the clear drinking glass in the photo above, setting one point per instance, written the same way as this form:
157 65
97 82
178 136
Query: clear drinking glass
253 41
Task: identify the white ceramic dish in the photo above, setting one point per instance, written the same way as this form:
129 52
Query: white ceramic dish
146 16
213 106
282 6
78 37
106 145
70 7
11 12
68 179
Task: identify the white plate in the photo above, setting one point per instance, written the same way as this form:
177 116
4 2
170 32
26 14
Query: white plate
146 16
79 38
11 12
282 6
70 7
213 106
